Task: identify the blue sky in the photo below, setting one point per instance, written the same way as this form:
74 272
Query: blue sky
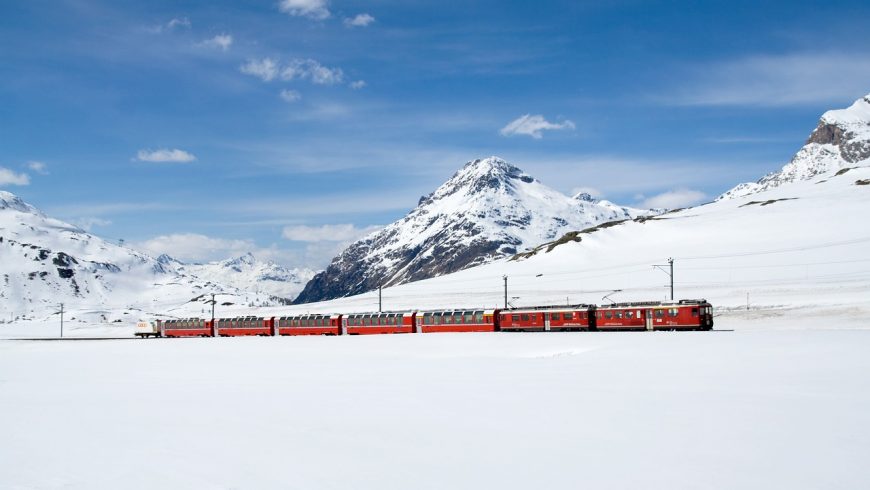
288 127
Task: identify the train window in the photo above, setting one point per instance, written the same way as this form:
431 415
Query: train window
525 317
694 312
478 317
515 318
554 317
608 314
629 314
468 317
672 312
660 313
618 314
567 316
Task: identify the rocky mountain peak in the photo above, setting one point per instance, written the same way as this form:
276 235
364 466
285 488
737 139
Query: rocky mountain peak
841 139
247 259
9 200
585 197
487 210
491 174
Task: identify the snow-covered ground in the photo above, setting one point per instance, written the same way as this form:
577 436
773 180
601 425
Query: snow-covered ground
758 408
777 398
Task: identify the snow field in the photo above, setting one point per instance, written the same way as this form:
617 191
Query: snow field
745 409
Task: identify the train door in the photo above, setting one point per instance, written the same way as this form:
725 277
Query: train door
546 322
648 318
344 325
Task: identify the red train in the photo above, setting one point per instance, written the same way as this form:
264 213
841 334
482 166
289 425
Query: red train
681 315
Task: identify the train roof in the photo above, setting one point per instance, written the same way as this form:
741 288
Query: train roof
384 314
461 311
549 308
634 304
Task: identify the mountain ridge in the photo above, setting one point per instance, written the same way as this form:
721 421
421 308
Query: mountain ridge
489 209
840 140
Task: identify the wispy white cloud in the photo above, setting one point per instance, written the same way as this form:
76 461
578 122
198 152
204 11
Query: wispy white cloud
38 167
288 95
679 198
165 156
532 125
88 224
175 23
326 233
265 69
314 9
312 70
360 20
357 84
178 22
775 80
221 41
8 177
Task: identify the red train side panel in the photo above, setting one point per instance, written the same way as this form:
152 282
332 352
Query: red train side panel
682 315
309 325
241 326
190 327
456 321
371 323
562 318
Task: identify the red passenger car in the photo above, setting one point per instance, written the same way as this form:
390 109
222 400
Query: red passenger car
308 325
367 323
456 321
188 327
682 315
548 318
247 325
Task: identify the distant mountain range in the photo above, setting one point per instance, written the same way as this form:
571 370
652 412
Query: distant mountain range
45 262
488 210
247 273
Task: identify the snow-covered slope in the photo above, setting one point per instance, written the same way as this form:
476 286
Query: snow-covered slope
248 273
45 262
488 210
841 140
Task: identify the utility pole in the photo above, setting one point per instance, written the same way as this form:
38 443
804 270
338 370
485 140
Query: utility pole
212 307
61 320
505 291
380 298
669 273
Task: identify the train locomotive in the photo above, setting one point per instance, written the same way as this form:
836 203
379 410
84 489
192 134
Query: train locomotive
687 314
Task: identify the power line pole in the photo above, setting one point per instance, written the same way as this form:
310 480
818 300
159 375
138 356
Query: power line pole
212 307
61 320
669 273
505 291
380 302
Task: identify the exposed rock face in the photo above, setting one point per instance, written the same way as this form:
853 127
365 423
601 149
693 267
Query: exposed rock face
488 210
841 140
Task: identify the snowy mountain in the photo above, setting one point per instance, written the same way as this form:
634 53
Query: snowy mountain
488 210
248 273
45 262
840 141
